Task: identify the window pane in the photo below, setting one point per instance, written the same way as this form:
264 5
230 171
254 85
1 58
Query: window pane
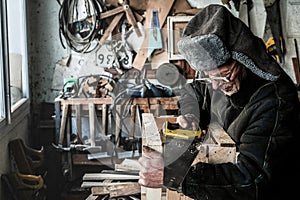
2 105
17 49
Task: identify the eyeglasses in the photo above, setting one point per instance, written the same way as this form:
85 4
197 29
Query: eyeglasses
225 78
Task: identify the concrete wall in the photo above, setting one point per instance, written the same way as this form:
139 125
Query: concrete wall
44 48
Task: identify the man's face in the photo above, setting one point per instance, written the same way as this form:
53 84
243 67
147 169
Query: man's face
225 78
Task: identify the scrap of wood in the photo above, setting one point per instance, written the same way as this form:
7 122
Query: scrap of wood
131 20
117 190
163 11
218 154
92 113
63 123
150 135
110 28
180 6
89 184
101 176
219 136
91 197
128 165
112 12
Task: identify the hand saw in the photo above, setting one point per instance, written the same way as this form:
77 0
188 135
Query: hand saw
180 150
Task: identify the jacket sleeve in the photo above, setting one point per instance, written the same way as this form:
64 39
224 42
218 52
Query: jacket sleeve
195 99
263 135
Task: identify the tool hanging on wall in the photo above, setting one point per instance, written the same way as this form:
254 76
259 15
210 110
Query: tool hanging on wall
155 38
80 24
272 49
274 20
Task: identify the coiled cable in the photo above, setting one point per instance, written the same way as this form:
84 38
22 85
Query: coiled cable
81 34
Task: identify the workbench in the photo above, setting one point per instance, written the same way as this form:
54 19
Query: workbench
70 112
92 105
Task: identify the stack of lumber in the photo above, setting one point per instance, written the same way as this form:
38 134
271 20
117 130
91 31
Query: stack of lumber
123 181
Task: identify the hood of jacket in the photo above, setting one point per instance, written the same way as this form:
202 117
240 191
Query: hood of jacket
214 35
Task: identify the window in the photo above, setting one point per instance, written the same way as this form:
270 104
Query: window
13 57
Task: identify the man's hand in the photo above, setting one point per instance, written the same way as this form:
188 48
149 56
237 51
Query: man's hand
188 121
152 168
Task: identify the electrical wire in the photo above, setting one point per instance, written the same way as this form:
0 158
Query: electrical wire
81 34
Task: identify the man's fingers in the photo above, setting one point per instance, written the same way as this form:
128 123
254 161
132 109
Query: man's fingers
181 120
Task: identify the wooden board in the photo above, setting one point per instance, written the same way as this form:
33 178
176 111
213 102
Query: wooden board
102 176
150 135
117 190
151 138
219 136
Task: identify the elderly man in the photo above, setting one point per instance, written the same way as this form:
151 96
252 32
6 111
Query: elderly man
243 89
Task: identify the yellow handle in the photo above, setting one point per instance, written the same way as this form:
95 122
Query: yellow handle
31 181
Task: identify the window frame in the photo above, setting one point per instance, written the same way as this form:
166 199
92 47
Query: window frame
11 115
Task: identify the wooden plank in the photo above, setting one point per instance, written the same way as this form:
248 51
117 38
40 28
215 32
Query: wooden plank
92 114
118 124
110 28
219 136
219 154
102 176
131 20
91 197
164 9
150 135
112 12
89 184
173 195
157 100
117 190
128 165
104 119
132 121
63 124
151 138
74 101
78 120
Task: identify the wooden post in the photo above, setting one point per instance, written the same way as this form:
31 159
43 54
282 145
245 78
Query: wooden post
132 121
78 121
63 123
104 119
92 123
118 123
150 138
